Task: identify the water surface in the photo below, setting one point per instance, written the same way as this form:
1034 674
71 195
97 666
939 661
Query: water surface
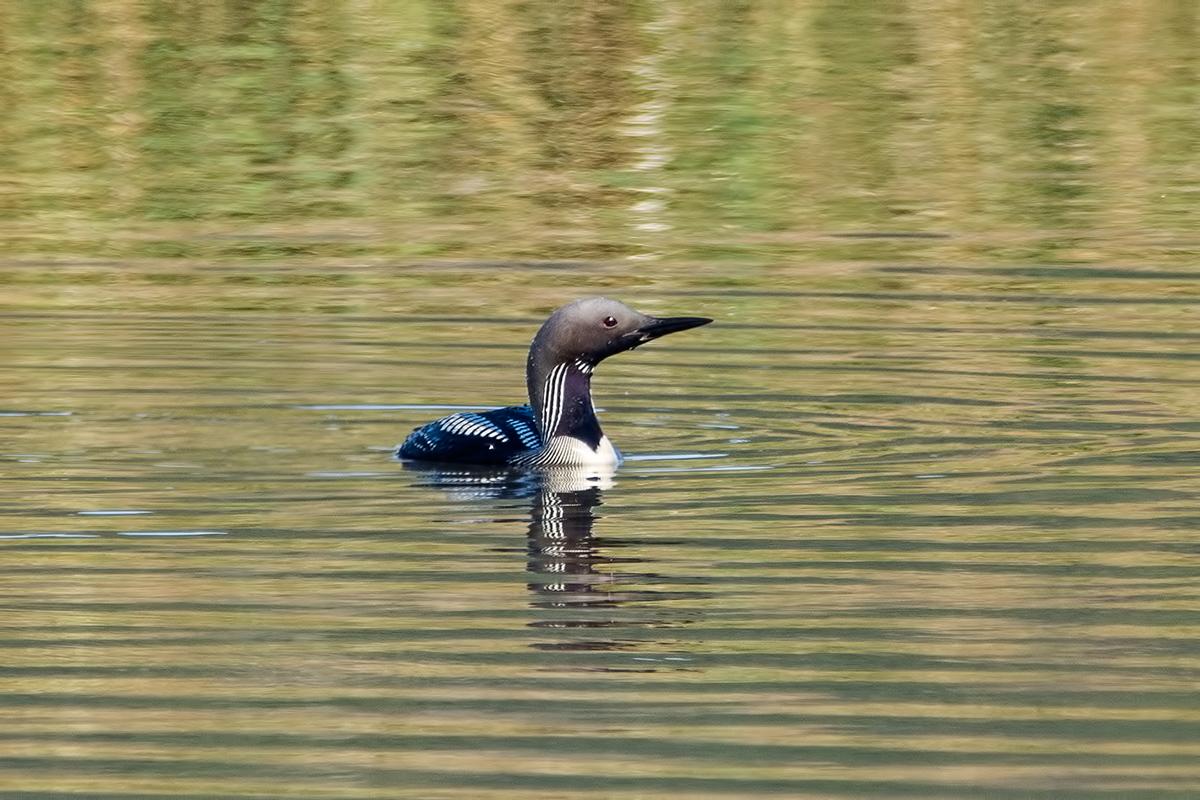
888 532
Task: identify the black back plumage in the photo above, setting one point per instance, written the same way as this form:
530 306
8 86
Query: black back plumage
475 437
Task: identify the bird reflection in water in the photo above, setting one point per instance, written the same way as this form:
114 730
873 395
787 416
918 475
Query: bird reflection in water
577 583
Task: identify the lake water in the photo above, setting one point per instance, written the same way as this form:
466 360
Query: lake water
888 531
917 516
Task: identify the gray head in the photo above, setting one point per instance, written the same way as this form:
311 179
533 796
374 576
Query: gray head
591 330
588 331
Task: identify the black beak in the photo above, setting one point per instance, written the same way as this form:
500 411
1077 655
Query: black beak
661 327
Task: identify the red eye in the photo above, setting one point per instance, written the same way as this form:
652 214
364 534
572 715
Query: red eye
610 322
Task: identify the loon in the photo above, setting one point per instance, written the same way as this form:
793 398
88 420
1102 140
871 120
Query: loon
559 426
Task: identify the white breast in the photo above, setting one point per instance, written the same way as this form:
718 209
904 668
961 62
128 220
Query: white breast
569 451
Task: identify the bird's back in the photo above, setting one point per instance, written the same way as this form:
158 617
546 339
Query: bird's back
475 437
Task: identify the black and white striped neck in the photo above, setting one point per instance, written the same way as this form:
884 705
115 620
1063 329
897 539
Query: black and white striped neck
561 397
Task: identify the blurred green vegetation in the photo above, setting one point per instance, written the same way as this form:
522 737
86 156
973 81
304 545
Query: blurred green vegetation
286 130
